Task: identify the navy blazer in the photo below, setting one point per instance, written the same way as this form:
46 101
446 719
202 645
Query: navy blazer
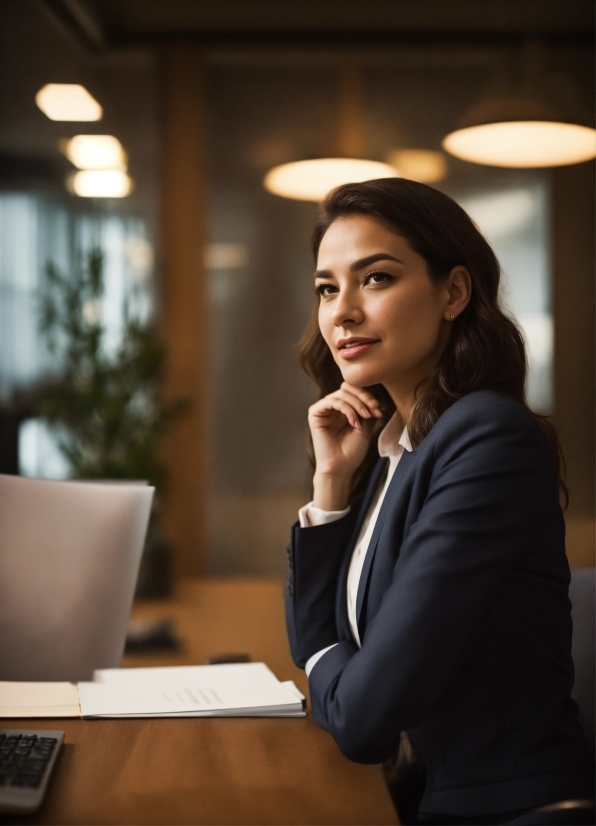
463 615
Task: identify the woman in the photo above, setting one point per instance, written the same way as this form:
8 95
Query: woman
427 590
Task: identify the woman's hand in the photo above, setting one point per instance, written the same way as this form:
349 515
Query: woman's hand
341 426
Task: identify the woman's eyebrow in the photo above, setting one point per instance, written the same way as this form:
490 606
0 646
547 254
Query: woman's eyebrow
372 259
361 264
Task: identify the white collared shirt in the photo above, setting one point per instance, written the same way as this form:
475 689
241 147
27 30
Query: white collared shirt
392 445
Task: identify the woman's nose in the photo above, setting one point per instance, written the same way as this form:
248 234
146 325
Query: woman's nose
347 309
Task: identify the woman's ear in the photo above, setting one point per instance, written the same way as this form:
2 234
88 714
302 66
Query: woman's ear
459 291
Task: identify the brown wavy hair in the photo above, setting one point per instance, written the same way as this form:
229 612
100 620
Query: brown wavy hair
486 348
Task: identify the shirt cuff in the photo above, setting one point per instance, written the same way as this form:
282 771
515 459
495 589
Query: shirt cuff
309 516
312 661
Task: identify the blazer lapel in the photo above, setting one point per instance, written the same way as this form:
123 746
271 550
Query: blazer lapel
341 610
369 495
388 502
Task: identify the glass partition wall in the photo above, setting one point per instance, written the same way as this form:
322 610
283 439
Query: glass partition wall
265 111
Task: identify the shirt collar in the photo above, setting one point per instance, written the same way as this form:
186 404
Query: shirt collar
393 437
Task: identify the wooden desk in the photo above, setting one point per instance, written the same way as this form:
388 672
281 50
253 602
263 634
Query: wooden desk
212 771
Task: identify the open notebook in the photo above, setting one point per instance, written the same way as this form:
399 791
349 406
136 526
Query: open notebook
231 690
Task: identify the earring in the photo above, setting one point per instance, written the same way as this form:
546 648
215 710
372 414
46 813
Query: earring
451 316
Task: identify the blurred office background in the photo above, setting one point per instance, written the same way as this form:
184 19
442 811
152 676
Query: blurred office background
205 98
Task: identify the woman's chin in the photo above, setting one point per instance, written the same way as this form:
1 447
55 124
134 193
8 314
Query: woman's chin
359 375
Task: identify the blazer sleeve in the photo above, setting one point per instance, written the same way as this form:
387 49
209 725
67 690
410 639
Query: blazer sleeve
492 475
314 559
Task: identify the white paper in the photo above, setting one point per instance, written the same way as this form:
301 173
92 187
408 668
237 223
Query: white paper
294 689
238 689
39 700
247 689
228 672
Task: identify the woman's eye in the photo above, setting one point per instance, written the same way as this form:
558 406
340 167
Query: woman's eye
378 277
325 289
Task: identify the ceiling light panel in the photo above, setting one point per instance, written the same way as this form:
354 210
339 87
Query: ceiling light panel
100 183
68 102
96 152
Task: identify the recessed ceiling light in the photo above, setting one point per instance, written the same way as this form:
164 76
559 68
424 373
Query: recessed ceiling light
96 152
100 183
68 101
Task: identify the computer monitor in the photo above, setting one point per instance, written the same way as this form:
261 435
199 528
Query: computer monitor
69 560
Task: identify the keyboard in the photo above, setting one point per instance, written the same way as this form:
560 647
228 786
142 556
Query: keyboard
26 762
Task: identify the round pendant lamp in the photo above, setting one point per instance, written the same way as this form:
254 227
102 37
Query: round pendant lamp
520 133
523 129
423 165
312 179
523 144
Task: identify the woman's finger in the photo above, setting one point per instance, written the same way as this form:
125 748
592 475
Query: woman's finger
357 403
365 397
324 406
363 404
339 406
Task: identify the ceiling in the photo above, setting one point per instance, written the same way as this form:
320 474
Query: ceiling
430 59
107 23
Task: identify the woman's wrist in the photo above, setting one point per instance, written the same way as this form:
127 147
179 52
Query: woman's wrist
331 492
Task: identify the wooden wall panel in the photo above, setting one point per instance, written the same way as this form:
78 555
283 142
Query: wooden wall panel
184 303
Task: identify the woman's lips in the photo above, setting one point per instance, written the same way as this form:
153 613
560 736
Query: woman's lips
351 350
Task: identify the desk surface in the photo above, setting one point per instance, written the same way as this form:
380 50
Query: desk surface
212 771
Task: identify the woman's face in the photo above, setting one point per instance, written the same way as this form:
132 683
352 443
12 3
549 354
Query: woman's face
382 317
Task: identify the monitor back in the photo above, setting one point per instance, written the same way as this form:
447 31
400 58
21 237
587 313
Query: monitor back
69 560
